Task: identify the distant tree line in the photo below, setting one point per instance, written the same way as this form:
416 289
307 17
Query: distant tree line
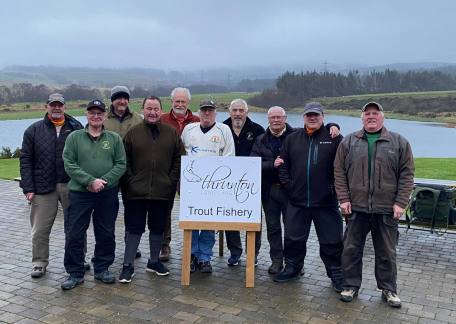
27 92
293 89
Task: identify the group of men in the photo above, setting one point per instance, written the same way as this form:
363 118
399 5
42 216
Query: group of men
308 175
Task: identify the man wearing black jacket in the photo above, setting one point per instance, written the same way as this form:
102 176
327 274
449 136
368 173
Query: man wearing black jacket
43 177
273 195
307 173
244 131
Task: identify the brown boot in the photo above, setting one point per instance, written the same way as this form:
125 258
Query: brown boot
164 253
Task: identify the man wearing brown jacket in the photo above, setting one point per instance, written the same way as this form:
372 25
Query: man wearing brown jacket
373 172
153 151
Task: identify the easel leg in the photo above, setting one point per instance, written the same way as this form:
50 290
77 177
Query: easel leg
221 243
186 252
250 268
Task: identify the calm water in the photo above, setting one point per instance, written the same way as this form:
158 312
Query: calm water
427 139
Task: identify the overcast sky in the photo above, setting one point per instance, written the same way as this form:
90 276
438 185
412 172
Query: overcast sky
208 34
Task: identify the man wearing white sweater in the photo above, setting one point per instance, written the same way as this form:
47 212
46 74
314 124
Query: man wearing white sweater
206 138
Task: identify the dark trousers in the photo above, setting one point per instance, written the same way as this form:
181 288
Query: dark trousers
384 231
234 244
137 211
104 207
275 209
167 230
329 228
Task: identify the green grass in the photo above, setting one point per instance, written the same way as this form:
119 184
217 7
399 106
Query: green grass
9 168
28 110
431 168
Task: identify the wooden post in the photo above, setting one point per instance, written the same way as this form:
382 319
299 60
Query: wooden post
250 268
221 242
186 252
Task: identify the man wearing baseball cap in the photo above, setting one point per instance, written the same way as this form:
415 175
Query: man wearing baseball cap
43 178
95 160
373 173
206 138
307 173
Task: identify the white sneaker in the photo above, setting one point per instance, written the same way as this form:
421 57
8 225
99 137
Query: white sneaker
347 295
391 298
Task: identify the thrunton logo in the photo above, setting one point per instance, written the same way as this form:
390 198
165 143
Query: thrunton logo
106 145
249 136
96 102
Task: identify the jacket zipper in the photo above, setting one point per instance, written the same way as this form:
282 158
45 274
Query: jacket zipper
309 158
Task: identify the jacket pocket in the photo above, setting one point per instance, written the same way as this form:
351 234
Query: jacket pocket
139 184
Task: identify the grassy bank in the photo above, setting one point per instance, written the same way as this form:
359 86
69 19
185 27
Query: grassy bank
425 168
28 110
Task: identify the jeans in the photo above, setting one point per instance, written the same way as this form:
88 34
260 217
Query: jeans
384 231
275 209
104 206
329 228
202 244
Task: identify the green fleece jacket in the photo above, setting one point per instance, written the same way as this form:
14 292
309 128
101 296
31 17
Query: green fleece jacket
86 159
112 123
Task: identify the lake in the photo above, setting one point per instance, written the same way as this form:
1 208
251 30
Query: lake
427 139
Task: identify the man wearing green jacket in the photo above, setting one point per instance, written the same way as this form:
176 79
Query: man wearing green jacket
95 160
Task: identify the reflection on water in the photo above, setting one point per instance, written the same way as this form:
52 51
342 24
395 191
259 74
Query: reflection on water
427 139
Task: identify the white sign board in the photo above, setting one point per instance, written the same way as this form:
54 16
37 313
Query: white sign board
220 189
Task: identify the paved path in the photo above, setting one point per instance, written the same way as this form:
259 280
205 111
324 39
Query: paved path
426 279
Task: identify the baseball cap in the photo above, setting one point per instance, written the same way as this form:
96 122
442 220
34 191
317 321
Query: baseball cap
56 97
313 107
96 104
372 104
208 104
119 92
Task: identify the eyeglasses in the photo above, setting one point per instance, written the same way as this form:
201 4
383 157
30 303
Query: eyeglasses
95 113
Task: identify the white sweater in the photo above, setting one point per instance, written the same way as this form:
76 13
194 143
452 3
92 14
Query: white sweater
218 141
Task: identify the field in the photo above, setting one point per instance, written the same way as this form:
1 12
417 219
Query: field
77 108
444 169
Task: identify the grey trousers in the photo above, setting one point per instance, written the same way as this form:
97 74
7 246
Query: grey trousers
42 217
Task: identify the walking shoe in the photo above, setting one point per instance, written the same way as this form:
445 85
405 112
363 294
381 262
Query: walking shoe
138 253
157 267
288 274
337 285
71 282
275 267
128 272
347 295
391 298
256 261
106 277
205 267
38 272
194 264
164 253
234 260
86 266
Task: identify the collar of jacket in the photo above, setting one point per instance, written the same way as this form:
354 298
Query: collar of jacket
244 128
188 114
288 129
384 135
69 120
112 114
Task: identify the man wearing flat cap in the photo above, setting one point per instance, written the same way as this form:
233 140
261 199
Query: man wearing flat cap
43 178
206 138
373 173
95 160
307 176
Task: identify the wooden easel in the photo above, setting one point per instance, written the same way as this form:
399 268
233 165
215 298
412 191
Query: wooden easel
250 228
